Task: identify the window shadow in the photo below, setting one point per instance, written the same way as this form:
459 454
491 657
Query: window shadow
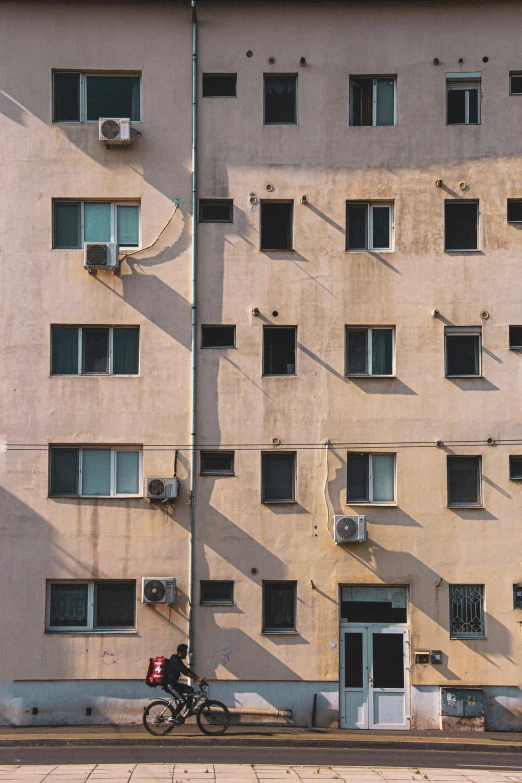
286 509
375 385
324 217
473 384
496 486
473 514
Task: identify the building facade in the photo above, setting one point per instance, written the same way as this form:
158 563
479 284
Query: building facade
356 493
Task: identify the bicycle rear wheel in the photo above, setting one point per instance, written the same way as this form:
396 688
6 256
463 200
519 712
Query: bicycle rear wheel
156 716
213 718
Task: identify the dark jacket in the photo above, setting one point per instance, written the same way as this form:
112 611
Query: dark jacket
175 668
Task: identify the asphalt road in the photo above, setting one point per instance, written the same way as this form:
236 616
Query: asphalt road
231 755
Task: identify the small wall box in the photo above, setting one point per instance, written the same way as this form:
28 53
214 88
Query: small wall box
436 657
517 596
422 656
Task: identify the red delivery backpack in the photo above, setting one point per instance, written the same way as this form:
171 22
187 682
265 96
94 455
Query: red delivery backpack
156 671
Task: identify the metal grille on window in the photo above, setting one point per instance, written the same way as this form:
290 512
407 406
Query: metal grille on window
467 610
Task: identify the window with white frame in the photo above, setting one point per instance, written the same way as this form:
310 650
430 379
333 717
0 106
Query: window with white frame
95 471
467 612
463 98
95 350
76 222
88 606
373 100
369 350
463 351
371 478
85 97
369 225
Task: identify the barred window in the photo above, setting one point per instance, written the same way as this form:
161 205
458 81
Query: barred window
467 611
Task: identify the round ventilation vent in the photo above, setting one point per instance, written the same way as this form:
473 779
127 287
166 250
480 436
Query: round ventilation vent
110 129
346 528
154 590
96 255
156 487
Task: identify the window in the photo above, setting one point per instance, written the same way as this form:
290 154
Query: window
463 351
278 477
514 210
280 99
76 222
277 219
217 592
515 338
463 98
371 478
279 343
217 463
84 97
515 467
464 481
215 210
279 607
219 85
95 350
102 605
218 336
369 226
515 83
467 611
369 351
95 472
373 100
461 225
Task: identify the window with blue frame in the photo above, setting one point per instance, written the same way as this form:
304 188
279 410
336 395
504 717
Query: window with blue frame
76 222
85 97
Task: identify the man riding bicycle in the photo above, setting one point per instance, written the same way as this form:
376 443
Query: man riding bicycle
175 668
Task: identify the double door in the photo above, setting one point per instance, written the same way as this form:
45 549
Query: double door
374 679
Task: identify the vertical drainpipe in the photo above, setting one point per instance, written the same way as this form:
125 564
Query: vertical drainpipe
193 334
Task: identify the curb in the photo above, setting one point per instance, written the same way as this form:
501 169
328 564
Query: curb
341 744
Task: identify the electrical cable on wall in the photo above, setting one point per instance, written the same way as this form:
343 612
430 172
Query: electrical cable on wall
326 489
141 249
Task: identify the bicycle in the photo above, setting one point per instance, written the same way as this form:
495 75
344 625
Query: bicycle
212 717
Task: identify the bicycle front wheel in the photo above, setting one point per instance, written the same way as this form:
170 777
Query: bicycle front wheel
213 718
156 718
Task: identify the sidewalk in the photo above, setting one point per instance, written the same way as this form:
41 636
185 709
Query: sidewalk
260 736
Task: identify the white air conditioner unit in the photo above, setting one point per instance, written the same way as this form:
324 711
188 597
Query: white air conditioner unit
162 488
100 255
349 529
115 130
158 590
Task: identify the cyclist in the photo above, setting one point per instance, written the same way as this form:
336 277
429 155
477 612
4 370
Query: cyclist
171 684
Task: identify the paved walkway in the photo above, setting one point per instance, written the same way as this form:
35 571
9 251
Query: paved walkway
242 773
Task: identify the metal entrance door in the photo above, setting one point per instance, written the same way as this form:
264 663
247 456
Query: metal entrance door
374 677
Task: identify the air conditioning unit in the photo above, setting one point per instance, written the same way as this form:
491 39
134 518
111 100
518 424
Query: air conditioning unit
349 530
158 590
162 488
100 255
115 130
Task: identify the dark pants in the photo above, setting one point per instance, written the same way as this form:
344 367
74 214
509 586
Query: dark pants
180 690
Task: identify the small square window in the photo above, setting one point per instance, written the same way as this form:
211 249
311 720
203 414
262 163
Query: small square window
462 99
515 83
515 338
217 463
279 345
216 592
369 226
217 210
515 467
277 219
464 481
373 100
278 477
514 210
467 611
279 607
463 351
280 99
371 478
369 351
219 85
218 336
461 225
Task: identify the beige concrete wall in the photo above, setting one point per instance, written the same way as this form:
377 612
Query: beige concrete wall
319 287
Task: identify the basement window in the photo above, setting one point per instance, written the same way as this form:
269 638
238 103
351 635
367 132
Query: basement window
514 210
280 99
217 463
461 225
463 98
515 338
463 351
279 344
277 219
218 336
219 85
85 97
373 100
279 607
369 226
216 210
464 481
278 477
216 592
101 605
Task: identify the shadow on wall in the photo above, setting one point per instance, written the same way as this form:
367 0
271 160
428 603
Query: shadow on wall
503 709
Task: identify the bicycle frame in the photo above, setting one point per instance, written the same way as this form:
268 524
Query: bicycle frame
199 698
